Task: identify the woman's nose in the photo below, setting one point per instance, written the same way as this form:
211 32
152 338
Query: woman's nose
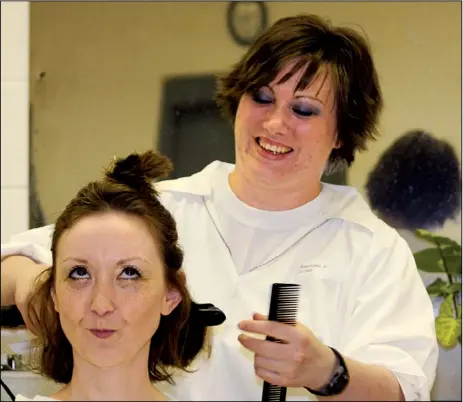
102 302
275 122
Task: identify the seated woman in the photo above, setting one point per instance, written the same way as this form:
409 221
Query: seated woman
115 314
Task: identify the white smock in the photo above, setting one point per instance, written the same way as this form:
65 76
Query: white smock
20 397
361 291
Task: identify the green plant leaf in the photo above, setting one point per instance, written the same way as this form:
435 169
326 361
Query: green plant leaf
436 239
446 308
437 288
454 288
448 331
450 250
429 260
442 288
453 263
448 328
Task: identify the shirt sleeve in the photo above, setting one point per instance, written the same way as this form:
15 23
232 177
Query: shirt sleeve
20 397
392 319
34 243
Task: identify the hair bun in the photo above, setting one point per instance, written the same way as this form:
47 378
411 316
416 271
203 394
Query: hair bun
139 170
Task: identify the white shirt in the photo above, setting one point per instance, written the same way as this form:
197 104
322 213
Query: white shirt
20 397
361 292
261 231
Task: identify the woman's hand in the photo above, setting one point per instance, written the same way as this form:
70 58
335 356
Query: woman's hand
18 277
300 360
23 292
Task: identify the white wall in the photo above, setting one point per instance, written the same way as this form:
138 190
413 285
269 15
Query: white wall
15 165
14 118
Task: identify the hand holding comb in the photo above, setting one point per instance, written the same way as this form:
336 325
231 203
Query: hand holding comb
284 305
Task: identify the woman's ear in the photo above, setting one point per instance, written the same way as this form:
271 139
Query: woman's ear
337 142
173 296
171 300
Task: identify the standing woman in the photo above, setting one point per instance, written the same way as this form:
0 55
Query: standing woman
303 99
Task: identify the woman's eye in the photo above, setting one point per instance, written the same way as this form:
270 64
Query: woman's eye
306 112
130 273
79 272
261 97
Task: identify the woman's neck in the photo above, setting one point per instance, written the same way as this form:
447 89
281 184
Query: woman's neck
274 196
126 382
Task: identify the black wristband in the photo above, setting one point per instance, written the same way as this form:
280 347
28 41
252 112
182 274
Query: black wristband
338 381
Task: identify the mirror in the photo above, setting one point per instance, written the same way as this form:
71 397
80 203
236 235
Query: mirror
110 78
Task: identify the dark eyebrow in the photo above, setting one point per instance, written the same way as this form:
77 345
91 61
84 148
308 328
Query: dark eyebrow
120 262
125 260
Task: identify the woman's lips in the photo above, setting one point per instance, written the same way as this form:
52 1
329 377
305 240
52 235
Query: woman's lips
103 333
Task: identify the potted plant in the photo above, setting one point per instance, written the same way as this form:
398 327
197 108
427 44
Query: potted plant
443 258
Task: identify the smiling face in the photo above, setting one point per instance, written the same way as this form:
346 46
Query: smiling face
110 289
284 136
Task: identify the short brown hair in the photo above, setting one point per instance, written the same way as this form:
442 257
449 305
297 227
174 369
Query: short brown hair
313 42
127 188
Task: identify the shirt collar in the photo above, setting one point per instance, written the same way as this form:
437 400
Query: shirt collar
349 204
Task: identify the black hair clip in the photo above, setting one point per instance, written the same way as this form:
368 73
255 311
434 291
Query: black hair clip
11 317
208 314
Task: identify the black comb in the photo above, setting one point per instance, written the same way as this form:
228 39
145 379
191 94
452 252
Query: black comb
284 305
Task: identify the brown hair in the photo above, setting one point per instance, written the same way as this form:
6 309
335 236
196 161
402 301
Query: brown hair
127 187
313 43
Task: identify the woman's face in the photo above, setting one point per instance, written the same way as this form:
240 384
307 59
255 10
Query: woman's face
110 288
284 137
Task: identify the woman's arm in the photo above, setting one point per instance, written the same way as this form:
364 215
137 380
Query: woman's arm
22 259
13 269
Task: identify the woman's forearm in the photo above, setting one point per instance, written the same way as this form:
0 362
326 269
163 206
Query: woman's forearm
368 383
11 270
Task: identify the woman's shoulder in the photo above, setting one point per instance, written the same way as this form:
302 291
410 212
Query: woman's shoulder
197 184
20 397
